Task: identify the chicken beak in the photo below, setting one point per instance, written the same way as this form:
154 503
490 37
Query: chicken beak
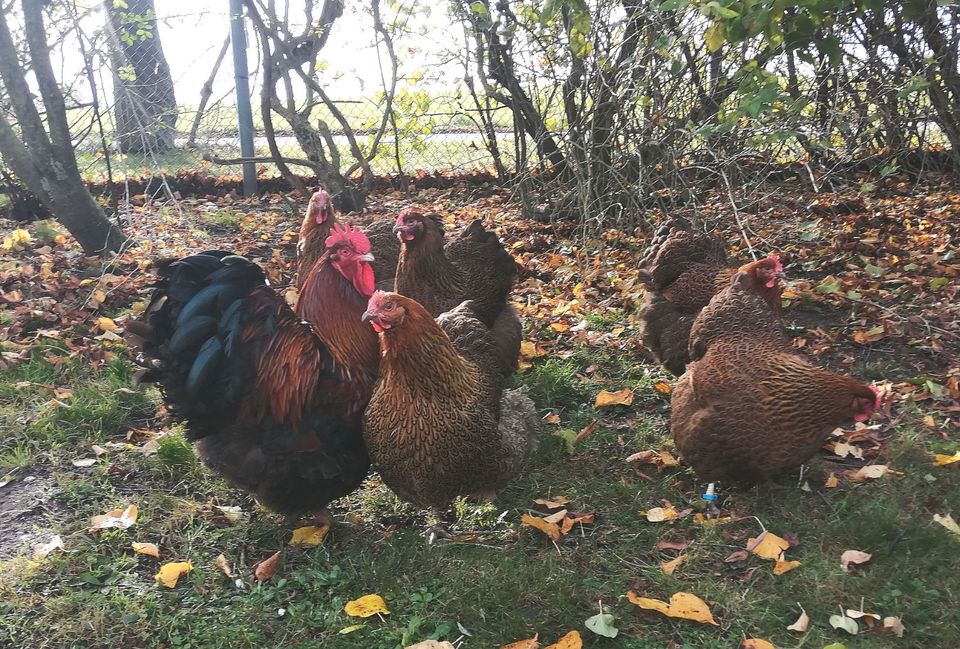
368 315
367 257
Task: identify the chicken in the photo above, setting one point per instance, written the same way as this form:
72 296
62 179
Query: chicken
273 403
683 269
316 227
749 406
439 424
474 266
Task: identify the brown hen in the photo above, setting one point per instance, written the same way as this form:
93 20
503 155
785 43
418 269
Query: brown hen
749 406
683 270
439 424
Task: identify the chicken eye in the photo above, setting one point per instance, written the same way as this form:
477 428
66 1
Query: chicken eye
346 251
388 306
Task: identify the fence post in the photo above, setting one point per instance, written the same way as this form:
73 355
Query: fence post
244 113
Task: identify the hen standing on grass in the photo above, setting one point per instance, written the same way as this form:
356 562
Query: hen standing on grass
439 424
273 403
683 269
316 227
749 407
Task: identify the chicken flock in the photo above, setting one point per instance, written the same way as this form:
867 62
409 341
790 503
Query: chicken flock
398 352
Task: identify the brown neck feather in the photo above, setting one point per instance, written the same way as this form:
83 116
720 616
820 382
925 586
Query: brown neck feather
423 262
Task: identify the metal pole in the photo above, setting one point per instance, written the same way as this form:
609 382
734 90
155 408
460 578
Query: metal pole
244 113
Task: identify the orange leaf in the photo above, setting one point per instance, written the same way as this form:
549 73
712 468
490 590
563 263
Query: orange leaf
768 546
532 643
573 518
669 567
267 568
550 529
663 387
622 397
785 566
685 606
572 640
756 643
149 549
170 573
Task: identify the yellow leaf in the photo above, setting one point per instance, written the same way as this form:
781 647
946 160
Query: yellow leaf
943 460
350 629
660 514
149 549
106 324
667 460
663 387
532 643
170 573
685 606
572 519
99 296
310 535
700 519
832 481
768 546
366 606
529 349
756 643
715 37
119 518
559 327
550 529
668 567
785 566
572 640
948 522
622 397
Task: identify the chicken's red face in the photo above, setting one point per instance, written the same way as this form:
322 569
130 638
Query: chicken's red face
321 206
769 271
348 250
409 225
865 403
384 311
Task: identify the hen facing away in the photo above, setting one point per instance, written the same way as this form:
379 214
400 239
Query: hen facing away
473 266
683 270
439 424
749 406
274 404
317 224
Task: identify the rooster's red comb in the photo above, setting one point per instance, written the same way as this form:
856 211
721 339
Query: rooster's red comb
343 234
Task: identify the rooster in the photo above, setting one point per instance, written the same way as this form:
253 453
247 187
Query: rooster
439 424
317 224
683 269
273 403
749 406
474 266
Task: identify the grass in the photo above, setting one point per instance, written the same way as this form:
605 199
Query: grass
500 582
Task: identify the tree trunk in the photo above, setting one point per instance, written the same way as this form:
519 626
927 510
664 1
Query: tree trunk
45 161
146 109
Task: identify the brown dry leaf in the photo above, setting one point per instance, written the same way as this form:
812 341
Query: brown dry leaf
118 518
430 644
685 606
894 625
660 514
737 555
42 550
553 503
679 546
530 350
669 567
550 529
667 460
756 643
551 418
571 640
870 472
572 518
853 558
768 546
663 387
644 457
785 566
170 573
802 623
366 606
532 643
948 522
224 565
943 460
622 397
267 568
832 481
556 517
309 535
149 549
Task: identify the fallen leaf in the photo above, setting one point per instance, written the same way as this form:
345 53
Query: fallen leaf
622 397
663 387
366 606
832 481
309 536
845 623
644 457
853 558
785 566
118 518
532 643
224 565
943 460
737 555
42 550
426 644
835 645
894 625
948 522
668 567
870 472
843 450
149 549
686 606
106 324
700 519
573 518
556 517
585 432
679 546
602 624
550 529
667 460
802 623
233 513
551 418
571 640
267 568
660 514
85 462
856 615
756 643
768 546
530 350
553 503
170 573
354 627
